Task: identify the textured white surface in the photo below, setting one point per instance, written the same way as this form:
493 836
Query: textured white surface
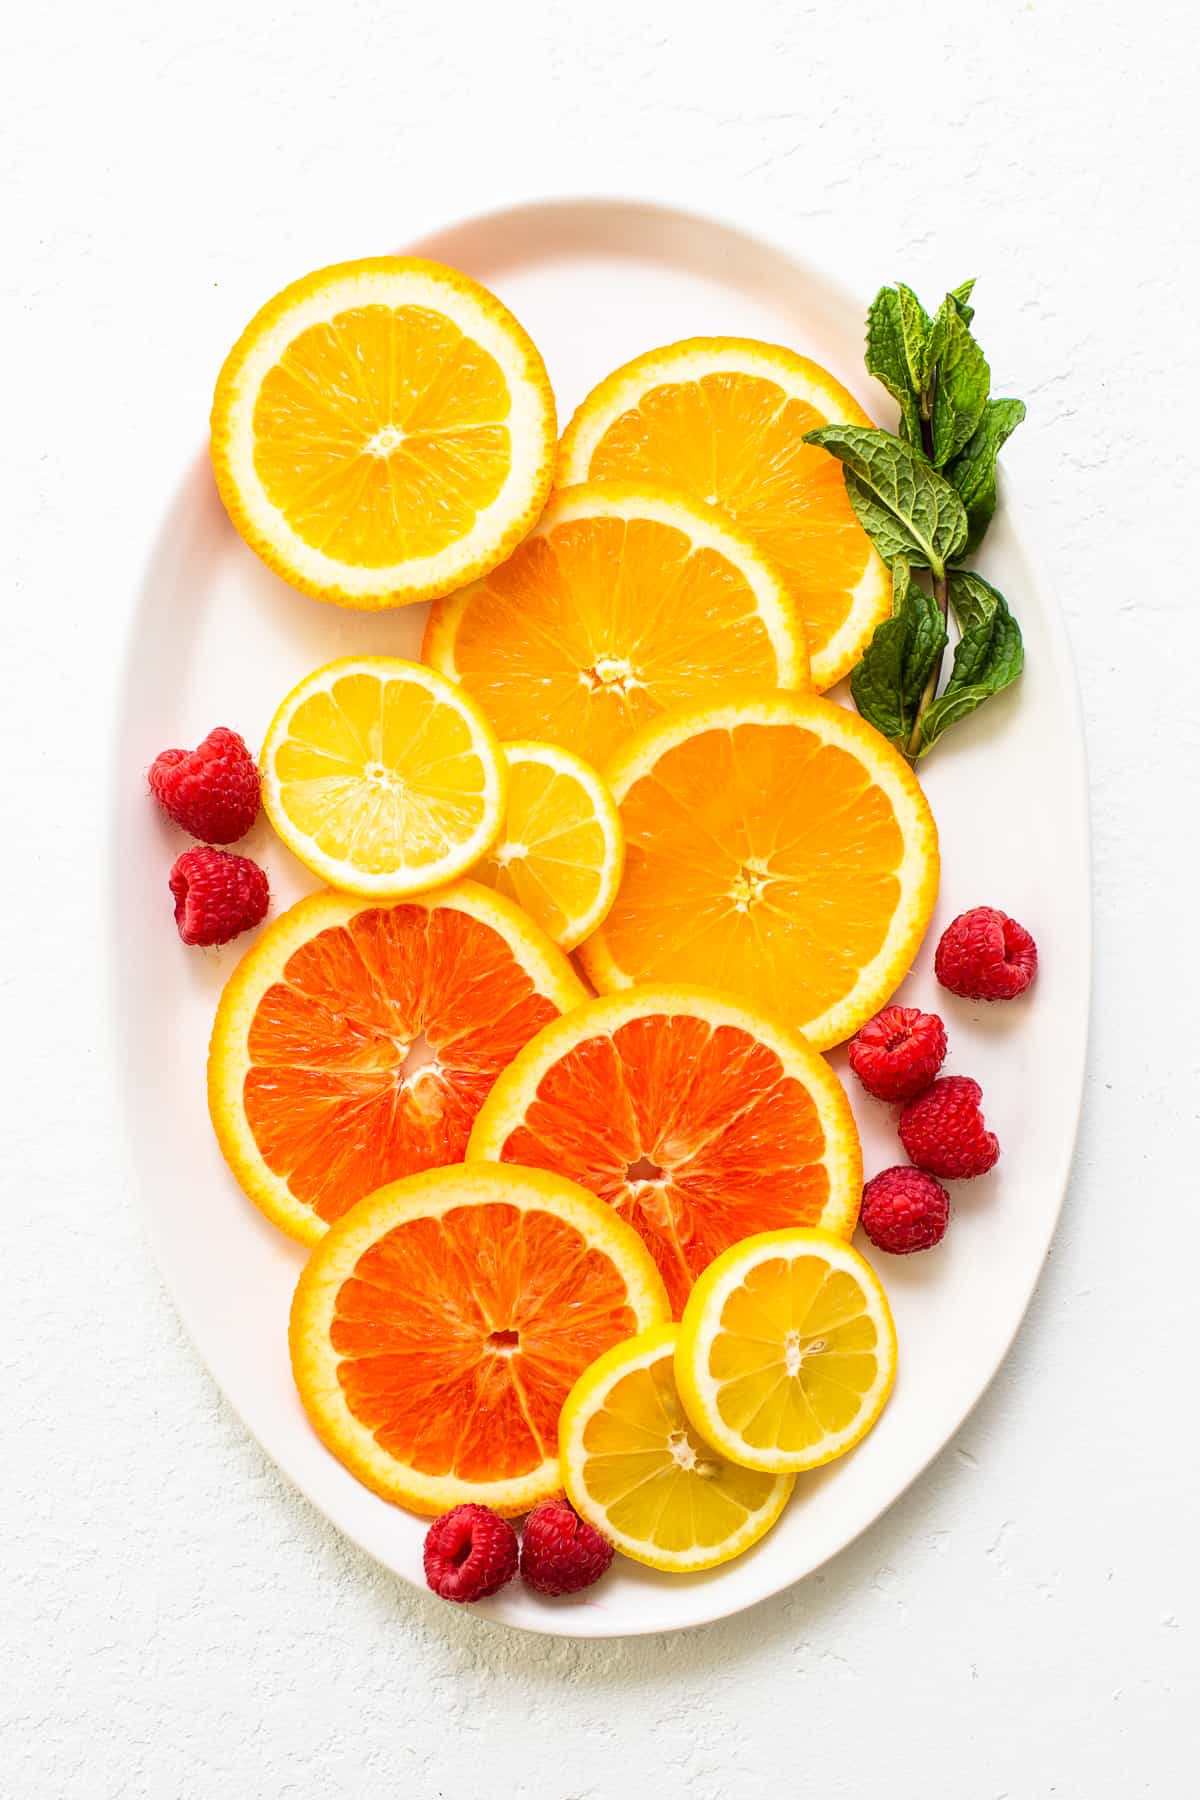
177 1623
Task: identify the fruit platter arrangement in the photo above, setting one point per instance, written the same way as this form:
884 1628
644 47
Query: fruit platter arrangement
538 1071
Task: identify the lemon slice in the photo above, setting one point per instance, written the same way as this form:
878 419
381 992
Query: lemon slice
383 777
634 1467
561 852
787 1351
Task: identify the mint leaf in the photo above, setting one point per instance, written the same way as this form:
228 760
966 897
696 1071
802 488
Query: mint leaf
989 656
888 682
887 360
973 470
960 295
961 385
905 505
916 329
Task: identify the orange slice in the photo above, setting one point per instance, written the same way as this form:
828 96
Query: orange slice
355 1042
777 847
623 601
724 419
699 1120
440 1325
382 431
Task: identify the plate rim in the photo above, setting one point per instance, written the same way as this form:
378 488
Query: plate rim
767 235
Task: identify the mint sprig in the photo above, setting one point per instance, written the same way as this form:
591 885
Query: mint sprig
926 498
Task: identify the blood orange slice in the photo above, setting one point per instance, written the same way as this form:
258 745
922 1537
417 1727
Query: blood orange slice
442 1322
356 1041
699 1120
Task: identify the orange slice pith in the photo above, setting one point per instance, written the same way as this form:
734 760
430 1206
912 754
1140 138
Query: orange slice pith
624 600
383 430
356 1041
778 848
724 419
698 1120
438 1328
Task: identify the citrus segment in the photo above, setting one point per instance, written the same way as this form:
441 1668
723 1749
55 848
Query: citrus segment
438 1328
623 601
724 419
383 777
698 1120
382 431
778 848
635 1469
561 852
355 1042
787 1351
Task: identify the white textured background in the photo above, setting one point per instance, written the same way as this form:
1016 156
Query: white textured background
174 1621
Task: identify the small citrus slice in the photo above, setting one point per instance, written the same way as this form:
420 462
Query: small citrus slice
724 419
355 1042
438 1328
624 600
776 847
383 777
701 1121
382 431
635 1469
561 852
787 1351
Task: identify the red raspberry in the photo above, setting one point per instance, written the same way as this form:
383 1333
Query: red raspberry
560 1552
212 791
470 1552
217 895
985 955
944 1132
904 1210
897 1053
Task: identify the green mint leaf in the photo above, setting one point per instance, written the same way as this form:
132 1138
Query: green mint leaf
916 328
973 470
887 360
961 295
961 382
906 506
888 682
989 656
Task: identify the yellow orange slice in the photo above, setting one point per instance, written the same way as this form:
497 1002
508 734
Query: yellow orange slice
633 1466
561 852
355 1042
382 431
724 419
623 601
699 1120
383 777
438 1328
786 1352
777 848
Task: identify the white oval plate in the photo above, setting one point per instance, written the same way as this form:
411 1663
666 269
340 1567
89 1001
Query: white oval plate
217 639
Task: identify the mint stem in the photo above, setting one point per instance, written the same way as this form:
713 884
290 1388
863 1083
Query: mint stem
941 591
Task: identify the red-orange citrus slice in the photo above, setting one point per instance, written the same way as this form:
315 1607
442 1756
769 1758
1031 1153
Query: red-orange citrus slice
699 1120
439 1326
356 1041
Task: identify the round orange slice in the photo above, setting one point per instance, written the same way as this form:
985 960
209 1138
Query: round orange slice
724 419
699 1120
382 431
356 1041
776 847
623 601
438 1328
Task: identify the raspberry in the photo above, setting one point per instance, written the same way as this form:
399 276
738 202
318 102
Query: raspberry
944 1132
904 1210
560 1552
217 895
212 791
470 1552
985 955
897 1053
